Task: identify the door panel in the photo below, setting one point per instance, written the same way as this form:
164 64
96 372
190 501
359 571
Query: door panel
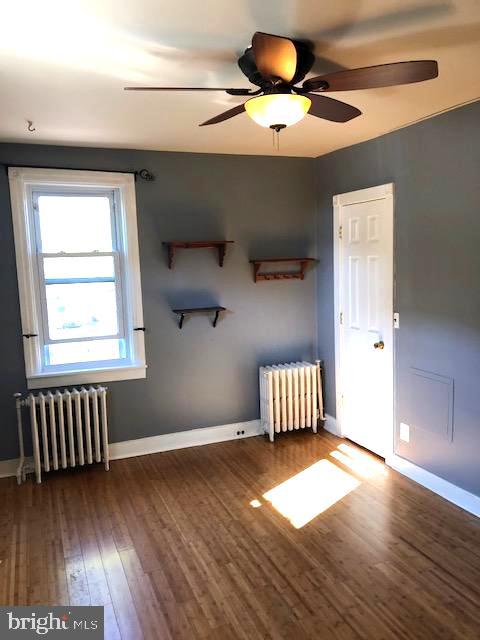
365 280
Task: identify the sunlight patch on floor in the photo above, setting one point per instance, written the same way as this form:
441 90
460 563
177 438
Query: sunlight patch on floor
311 492
361 463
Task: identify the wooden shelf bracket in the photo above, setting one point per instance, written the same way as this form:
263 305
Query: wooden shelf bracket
220 245
181 313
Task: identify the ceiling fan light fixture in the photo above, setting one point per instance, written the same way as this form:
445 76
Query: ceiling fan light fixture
277 109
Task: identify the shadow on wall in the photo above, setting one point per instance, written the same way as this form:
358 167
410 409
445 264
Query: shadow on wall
278 246
190 298
281 354
187 223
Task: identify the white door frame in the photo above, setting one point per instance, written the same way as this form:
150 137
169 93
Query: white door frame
381 192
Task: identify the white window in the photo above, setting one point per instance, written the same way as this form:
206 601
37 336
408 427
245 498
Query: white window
78 276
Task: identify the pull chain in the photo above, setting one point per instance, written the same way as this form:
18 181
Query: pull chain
276 139
276 128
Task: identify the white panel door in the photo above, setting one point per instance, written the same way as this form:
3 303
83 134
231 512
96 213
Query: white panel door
365 322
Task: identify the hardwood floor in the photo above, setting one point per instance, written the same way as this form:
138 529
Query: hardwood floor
173 549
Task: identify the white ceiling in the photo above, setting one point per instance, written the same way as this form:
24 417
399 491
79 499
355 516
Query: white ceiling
64 63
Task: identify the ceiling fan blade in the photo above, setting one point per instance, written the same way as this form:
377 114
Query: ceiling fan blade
330 109
275 57
226 115
235 92
382 75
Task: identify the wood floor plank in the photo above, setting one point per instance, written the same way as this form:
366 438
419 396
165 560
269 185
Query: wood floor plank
172 547
151 617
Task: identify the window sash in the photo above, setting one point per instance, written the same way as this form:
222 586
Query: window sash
119 294
73 192
44 332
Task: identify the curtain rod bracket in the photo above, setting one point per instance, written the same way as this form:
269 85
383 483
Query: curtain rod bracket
144 174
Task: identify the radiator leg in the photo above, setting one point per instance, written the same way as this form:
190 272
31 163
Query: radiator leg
321 409
21 461
315 399
103 405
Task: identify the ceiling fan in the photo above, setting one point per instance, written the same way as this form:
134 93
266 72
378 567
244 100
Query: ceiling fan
276 64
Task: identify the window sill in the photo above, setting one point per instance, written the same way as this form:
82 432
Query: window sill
90 376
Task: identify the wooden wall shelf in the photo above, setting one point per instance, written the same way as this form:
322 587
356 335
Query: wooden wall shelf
220 245
280 275
181 313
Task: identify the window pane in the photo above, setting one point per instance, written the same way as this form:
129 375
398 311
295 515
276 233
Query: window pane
87 351
75 224
76 268
81 310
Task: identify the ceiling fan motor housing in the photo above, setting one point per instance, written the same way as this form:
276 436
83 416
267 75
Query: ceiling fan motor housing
247 65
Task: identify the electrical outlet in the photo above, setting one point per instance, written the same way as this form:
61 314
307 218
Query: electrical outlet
404 432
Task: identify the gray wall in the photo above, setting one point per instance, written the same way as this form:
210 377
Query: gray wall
435 166
198 376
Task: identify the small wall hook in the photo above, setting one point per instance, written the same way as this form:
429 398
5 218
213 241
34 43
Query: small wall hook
30 126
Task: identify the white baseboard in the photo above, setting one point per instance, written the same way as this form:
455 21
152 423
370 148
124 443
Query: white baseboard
331 425
184 439
447 490
163 442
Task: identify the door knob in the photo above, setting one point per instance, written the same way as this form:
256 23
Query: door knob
379 345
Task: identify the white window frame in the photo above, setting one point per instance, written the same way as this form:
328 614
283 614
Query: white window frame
24 182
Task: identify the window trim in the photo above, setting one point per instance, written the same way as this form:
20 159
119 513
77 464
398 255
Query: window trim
23 181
